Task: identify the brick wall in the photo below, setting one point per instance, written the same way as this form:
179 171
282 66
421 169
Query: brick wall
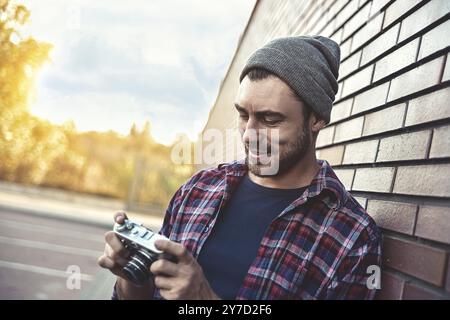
389 135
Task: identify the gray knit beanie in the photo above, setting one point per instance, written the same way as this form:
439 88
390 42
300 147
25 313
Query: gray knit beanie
308 64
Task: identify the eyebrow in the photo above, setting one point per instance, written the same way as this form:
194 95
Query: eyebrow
267 112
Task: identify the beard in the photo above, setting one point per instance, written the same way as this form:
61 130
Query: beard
292 153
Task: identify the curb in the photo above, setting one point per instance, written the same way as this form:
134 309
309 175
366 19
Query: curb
78 217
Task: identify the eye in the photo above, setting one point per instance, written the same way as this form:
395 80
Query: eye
271 120
243 115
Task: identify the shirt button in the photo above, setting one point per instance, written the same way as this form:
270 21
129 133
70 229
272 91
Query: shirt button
206 229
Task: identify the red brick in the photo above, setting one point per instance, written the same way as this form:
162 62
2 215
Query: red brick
394 216
426 180
373 179
434 223
384 120
418 260
391 287
429 107
428 73
407 146
382 43
435 39
423 17
415 292
396 60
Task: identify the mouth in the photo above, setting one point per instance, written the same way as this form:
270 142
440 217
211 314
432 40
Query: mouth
258 157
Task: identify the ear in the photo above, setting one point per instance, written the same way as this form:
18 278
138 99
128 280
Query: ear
316 123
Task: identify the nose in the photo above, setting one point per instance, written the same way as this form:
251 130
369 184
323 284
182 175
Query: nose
253 136
248 131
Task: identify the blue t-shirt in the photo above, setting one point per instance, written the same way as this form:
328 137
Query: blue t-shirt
233 243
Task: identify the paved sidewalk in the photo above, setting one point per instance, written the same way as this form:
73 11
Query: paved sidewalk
72 211
34 222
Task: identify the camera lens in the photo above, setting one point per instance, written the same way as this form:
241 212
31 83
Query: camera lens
137 270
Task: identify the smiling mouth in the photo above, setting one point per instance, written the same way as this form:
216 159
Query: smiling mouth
257 153
258 157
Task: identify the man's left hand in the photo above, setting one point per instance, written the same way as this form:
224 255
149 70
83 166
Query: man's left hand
183 280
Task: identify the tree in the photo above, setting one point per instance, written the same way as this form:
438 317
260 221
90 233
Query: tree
20 59
35 151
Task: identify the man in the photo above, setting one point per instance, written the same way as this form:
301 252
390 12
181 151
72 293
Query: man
244 231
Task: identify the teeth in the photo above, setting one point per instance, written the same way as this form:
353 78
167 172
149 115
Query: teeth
259 155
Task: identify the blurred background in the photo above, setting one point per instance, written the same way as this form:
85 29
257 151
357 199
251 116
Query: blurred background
93 96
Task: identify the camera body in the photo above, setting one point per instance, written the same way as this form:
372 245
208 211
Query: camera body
141 243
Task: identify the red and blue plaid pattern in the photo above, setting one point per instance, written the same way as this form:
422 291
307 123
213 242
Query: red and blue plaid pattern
319 247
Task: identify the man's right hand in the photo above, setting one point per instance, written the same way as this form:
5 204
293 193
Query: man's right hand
114 258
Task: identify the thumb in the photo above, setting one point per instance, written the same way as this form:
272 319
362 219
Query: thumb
120 217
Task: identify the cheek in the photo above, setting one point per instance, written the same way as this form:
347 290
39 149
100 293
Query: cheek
241 125
282 136
241 130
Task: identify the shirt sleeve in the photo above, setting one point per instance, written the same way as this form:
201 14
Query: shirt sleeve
358 276
114 295
171 212
175 203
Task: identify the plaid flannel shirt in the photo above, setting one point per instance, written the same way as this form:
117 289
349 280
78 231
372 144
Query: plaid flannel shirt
319 247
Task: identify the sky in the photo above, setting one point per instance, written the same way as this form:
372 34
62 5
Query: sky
116 63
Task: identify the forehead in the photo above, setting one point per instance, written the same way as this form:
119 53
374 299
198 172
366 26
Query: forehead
271 92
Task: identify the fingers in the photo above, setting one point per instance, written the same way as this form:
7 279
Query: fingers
115 256
116 245
108 263
120 217
164 267
163 283
175 249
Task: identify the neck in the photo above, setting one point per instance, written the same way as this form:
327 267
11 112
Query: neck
298 176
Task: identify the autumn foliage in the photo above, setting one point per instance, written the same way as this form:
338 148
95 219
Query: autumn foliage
35 151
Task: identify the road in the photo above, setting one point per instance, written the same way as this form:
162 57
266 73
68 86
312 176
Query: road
37 251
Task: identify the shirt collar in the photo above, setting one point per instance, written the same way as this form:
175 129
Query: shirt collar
325 185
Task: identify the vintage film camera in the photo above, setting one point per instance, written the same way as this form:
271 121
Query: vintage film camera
141 242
